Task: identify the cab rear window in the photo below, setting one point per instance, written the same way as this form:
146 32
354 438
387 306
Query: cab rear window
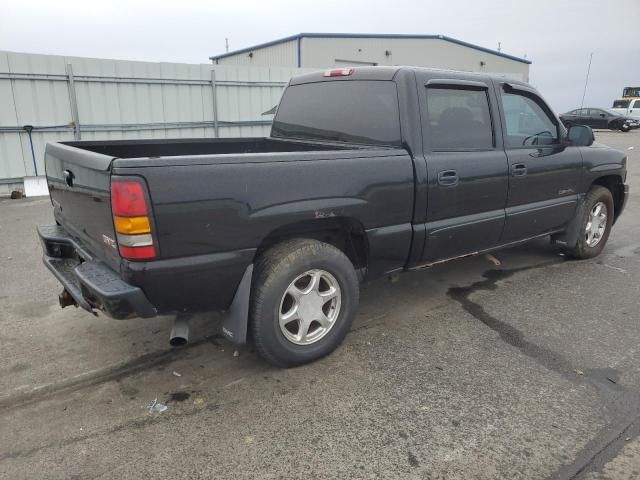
621 104
355 111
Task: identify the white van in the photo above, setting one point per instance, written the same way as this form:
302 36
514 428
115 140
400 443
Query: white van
629 107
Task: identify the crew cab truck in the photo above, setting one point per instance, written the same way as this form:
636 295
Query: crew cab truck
627 107
367 172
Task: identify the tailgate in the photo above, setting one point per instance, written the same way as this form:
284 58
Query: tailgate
79 183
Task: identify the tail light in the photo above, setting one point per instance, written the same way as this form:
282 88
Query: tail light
131 218
338 72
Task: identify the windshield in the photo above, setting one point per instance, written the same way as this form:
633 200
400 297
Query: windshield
340 111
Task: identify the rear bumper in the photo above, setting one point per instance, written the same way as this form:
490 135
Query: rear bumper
91 283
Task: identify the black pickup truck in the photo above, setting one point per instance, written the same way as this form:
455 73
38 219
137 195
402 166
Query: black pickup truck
367 171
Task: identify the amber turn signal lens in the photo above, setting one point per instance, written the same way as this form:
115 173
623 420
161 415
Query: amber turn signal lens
132 225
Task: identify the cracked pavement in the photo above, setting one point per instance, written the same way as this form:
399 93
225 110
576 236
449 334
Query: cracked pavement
528 369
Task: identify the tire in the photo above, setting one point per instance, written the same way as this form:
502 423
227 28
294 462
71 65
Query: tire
286 268
624 127
585 248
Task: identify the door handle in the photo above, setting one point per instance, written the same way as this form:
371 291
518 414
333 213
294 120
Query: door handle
68 177
518 169
448 178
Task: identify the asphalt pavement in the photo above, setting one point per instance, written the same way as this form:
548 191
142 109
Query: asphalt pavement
519 365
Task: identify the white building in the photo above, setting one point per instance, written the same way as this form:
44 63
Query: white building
323 50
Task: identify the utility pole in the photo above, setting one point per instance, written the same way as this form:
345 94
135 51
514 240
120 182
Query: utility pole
226 45
586 80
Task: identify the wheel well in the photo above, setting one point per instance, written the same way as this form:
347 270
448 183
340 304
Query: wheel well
344 233
614 184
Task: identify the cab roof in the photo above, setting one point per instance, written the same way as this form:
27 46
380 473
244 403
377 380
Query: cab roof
389 73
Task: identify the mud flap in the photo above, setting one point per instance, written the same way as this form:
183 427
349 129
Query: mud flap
569 238
236 318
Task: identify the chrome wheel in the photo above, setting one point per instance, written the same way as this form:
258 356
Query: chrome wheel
596 225
309 307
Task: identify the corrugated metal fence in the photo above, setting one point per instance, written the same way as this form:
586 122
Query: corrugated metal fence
63 98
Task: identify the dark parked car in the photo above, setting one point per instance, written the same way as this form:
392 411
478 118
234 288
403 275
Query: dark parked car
368 171
599 118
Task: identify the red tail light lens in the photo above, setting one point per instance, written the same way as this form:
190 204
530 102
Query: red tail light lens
138 253
127 198
131 218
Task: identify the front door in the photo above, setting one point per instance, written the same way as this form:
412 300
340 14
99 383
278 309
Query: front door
634 109
544 172
599 118
467 169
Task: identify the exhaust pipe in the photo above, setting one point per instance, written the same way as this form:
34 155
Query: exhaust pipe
180 332
66 300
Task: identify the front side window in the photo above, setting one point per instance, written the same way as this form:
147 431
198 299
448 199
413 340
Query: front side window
527 121
459 119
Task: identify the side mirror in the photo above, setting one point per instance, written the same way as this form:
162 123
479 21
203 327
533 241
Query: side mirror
581 135
603 115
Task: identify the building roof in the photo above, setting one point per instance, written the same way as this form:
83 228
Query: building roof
370 35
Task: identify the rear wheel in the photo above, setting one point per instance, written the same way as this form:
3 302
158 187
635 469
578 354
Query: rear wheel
305 295
595 224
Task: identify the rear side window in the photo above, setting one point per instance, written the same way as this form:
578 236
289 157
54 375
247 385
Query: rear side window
340 111
459 119
621 104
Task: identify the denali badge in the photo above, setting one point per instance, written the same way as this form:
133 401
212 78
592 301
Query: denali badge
109 241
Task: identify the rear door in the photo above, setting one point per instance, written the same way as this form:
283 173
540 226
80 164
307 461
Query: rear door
466 166
544 172
599 118
583 117
571 116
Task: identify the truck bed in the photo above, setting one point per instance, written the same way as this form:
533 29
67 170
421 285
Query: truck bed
199 146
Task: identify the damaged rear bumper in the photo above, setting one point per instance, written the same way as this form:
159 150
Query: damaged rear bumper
92 284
